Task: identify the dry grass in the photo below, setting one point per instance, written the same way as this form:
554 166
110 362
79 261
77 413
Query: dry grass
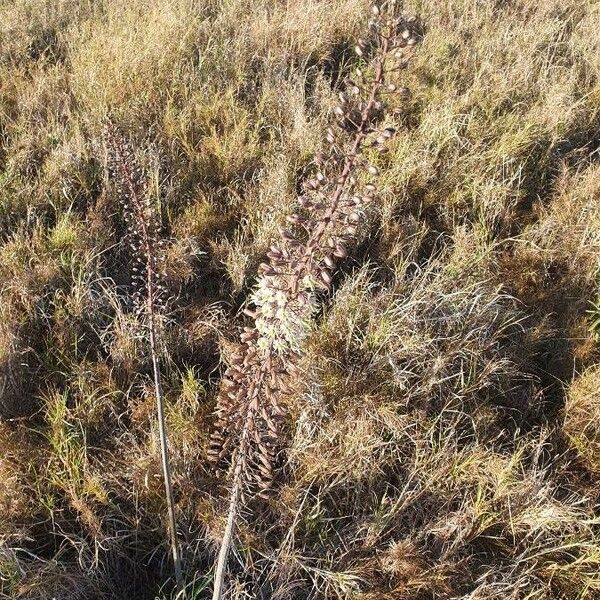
443 440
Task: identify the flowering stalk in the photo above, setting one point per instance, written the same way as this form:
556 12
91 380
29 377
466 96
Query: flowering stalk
144 229
250 406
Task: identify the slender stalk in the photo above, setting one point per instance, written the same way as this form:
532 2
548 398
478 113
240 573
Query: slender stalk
143 223
166 466
237 483
234 498
258 382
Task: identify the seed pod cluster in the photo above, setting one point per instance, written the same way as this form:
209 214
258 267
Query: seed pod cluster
251 402
141 218
143 226
248 432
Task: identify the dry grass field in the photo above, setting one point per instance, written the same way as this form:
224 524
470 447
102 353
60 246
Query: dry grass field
442 440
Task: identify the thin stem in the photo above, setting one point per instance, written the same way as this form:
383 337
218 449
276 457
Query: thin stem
160 405
228 533
237 482
166 467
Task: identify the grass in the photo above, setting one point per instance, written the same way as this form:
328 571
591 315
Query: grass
443 441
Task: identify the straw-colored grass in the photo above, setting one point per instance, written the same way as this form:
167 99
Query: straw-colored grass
442 441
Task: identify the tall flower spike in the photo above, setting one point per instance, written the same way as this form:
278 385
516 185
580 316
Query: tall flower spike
251 403
143 224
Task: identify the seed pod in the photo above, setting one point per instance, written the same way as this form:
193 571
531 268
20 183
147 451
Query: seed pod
326 276
375 10
267 269
329 261
340 251
358 51
373 170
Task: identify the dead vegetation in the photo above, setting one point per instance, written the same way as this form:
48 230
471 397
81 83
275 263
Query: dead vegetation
442 433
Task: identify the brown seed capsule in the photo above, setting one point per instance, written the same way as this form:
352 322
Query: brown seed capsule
267 269
295 219
326 276
286 235
329 261
373 170
340 251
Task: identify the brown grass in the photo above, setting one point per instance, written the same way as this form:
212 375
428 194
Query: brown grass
442 435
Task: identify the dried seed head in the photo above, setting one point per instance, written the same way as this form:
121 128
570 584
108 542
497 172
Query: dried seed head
340 251
326 276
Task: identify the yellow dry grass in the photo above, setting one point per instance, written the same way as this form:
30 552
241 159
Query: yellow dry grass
444 442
